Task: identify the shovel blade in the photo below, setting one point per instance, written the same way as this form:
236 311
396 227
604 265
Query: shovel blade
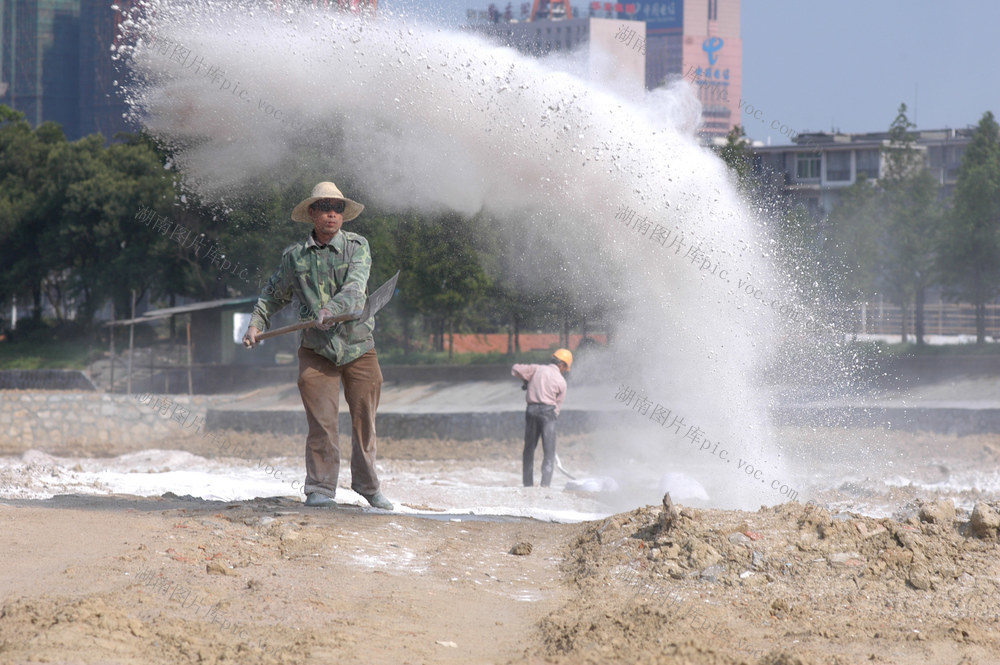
379 298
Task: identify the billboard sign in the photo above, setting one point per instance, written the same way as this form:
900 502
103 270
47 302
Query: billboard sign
662 15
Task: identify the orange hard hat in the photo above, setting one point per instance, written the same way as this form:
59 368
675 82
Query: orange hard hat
564 355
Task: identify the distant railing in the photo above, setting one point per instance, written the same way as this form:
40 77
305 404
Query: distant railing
939 319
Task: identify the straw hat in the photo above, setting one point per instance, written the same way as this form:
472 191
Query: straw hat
326 190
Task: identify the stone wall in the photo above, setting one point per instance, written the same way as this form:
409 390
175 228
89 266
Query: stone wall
30 419
37 418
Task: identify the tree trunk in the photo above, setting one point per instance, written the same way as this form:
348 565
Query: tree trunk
902 320
52 292
451 339
564 342
439 335
89 307
510 337
36 295
980 321
980 310
173 319
407 322
517 334
918 314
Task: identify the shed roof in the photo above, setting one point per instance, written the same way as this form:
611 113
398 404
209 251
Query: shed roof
154 314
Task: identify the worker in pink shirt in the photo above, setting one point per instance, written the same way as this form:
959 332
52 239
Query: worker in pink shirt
546 390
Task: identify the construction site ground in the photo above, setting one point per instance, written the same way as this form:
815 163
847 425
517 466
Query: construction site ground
114 578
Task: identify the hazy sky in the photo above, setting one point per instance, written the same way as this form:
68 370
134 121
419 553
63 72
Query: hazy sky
847 64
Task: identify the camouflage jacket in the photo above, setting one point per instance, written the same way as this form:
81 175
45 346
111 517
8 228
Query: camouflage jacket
334 277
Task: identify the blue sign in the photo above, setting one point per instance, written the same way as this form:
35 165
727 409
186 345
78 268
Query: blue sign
712 46
659 16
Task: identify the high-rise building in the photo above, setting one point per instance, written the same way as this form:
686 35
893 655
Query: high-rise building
712 59
39 55
695 39
100 106
56 60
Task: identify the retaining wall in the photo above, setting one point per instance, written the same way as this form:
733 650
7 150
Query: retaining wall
452 426
30 418
221 379
940 420
56 418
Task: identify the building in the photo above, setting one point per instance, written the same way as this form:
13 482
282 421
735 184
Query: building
695 39
55 64
39 52
819 166
56 60
100 107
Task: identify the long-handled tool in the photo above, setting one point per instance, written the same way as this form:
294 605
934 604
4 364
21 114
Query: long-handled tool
375 302
560 467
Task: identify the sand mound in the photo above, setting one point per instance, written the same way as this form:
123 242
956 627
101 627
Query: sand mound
789 584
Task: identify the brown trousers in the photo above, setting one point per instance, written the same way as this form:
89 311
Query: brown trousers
319 386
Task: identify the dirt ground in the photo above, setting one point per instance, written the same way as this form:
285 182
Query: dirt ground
121 579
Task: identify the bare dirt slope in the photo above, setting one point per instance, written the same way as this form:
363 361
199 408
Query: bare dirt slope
125 580
121 580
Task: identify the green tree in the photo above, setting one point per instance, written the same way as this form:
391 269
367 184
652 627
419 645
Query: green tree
28 213
911 223
886 234
853 232
108 251
388 237
738 156
526 276
970 256
66 217
446 283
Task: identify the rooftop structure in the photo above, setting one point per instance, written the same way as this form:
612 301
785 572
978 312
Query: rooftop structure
695 39
819 166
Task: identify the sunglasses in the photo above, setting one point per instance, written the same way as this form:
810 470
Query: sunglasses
326 206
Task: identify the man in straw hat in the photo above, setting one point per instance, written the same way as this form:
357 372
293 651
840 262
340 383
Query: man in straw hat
328 273
546 390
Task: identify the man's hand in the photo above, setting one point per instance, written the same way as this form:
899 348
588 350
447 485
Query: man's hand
321 319
250 337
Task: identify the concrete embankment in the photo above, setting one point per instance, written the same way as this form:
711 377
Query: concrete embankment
482 402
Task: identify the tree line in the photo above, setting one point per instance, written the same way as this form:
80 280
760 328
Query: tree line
83 224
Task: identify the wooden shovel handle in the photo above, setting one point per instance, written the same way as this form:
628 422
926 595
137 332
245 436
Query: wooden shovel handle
350 316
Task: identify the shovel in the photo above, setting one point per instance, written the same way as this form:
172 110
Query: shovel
373 304
560 467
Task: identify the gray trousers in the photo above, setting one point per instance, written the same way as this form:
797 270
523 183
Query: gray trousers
539 421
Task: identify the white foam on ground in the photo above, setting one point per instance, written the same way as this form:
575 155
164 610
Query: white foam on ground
453 489
438 487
